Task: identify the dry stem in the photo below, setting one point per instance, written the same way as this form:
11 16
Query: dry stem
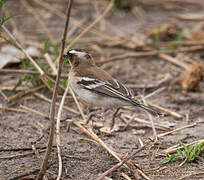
91 25
51 64
174 148
172 113
48 100
23 71
58 132
176 130
173 60
151 120
38 19
52 108
120 163
104 146
23 50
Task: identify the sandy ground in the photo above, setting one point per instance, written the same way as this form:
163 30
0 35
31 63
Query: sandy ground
82 158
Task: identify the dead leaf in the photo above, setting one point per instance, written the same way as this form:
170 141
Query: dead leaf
192 77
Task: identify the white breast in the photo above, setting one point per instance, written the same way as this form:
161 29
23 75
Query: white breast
92 98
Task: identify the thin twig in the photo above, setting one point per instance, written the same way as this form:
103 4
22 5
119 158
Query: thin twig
23 93
104 146
51 64
191 174
128 55
39 19
34 111
176 130
155 92
174 148
78 105
23 50
110 5
149 53
58 143
22 176
52 108
49 100
19 155
73 21
125 176
151 120
4 95
121 163
23 71
12 109
174 60
172 113
157 126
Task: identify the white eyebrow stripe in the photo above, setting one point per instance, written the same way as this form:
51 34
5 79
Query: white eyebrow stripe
78 53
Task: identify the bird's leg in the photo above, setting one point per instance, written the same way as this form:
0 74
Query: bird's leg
113 118
92 113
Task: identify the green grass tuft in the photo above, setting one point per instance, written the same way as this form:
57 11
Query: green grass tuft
189 154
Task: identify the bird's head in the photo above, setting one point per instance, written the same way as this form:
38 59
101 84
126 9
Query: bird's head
79 56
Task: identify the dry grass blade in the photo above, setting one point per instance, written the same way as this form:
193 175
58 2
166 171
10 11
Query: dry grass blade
13 109
27 109
105 147
120 163
176 130
110 5
3 95
191 174
58 142
174 61
128 55
49 100
73 21
125 176
174 148
52 108
157 126
23 71
78 105
22 93
51 64
39 19
95 138
23 50
19 155
152 122
172 113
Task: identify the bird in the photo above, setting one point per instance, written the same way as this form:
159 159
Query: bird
97 87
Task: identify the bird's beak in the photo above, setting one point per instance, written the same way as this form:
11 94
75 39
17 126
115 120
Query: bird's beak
69 57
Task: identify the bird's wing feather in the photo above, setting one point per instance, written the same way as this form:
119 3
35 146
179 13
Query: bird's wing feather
111 88
104 84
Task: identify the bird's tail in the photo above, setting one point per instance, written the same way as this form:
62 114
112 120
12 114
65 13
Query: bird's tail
146 108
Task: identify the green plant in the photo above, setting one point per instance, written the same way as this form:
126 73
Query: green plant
3 18
49 47
34 79
189 154
2 2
